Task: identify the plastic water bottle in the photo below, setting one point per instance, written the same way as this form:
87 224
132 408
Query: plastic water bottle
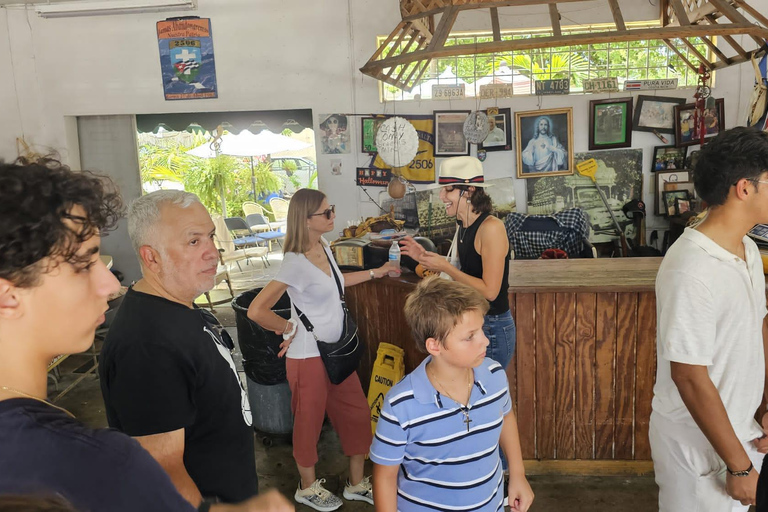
394 257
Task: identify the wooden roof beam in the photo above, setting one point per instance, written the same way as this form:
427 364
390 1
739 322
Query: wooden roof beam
696 52
680 12
554 17
618 18
733 14
727 37
574 39
495 24
443 28
486 5
752 11
712 46
680 54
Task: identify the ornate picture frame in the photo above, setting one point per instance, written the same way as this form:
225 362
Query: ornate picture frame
544 142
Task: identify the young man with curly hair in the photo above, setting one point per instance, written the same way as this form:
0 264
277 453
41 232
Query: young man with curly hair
707 447
53 296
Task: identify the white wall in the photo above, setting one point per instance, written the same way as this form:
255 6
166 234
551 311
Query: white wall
269 55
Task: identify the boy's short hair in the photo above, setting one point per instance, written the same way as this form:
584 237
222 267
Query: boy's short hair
434 308
36 198
735 154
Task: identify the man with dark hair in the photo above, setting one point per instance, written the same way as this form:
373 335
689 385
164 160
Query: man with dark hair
707 447
53 295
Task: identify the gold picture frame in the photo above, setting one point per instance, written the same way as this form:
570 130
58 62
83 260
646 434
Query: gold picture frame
544 154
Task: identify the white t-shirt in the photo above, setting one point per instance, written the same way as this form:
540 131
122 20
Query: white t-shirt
315 293
710 308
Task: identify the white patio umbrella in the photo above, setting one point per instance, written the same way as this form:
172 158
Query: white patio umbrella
249 145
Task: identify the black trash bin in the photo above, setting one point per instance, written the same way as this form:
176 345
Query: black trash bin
268 389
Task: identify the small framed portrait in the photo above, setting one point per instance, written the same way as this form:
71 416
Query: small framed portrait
691 159
449 132
668 158
334 136
669 180
655 114
610 123
544 142
369 127
499 131
682 206
688 123
670 199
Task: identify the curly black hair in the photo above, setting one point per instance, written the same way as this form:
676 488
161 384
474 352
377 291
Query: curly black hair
735 154
36 198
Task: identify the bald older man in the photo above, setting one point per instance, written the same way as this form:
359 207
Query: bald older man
167 375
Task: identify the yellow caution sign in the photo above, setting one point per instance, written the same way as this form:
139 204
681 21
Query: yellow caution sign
388 370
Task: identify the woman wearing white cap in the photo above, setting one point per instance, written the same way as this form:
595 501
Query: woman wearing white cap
482 246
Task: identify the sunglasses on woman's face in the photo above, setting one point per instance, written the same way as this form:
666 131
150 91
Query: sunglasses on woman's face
327 212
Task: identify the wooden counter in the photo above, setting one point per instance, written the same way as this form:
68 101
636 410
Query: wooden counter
582 379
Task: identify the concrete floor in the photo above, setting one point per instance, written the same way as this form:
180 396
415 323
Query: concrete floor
276 467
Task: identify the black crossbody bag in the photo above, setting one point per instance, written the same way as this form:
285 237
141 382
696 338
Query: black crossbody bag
341 358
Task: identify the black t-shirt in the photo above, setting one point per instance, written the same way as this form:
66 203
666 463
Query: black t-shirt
164 367
44 451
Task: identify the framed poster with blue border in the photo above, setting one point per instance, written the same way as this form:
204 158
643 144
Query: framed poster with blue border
186 58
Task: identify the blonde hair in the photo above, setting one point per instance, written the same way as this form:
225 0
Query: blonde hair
434 308
303 204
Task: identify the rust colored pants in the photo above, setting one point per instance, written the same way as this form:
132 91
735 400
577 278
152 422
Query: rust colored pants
312 395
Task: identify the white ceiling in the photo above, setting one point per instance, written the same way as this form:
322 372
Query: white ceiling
30 2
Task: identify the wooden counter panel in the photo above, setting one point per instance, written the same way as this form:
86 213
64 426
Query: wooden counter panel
582 378
590 275
584 411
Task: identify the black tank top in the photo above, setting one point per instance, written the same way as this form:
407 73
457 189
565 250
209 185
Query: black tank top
472 264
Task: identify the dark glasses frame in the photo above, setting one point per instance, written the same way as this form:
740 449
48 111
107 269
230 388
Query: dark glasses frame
327 212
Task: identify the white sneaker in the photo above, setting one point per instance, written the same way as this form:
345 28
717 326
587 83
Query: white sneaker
360 492
318 497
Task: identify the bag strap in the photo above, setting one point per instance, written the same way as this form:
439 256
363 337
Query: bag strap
335 278
304 320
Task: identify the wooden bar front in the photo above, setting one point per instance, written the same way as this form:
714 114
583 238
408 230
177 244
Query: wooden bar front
582 378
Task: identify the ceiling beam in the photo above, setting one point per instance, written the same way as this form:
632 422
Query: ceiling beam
495 24
554 17
617 16
574 39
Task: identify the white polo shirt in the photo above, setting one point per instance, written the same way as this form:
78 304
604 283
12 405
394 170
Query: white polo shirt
710 308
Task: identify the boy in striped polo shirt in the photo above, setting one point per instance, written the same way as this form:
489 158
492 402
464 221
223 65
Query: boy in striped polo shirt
437 440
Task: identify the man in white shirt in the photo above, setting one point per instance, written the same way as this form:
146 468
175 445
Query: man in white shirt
707 447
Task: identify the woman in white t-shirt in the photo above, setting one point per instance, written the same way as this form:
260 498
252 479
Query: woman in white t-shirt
307 274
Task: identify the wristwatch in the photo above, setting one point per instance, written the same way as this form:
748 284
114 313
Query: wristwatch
746 472
373 276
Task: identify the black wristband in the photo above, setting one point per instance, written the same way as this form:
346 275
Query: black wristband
205 506
746 472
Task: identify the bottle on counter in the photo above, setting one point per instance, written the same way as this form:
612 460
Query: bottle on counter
394 257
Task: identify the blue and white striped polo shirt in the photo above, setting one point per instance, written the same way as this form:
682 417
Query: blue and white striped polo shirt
442 465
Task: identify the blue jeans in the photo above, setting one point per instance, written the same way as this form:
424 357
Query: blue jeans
500 331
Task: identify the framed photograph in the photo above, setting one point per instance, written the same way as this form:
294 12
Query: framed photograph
449 132
655 114
682 206
691 159
687 129
369 127
609 123
544 142
668 157
669 180
670 199
500 135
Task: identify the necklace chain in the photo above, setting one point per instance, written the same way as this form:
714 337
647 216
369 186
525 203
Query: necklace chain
463 408
46 402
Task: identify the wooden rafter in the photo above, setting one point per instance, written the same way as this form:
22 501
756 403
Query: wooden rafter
407 52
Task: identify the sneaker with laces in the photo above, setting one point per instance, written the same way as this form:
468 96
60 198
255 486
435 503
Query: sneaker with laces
360 492
317 497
